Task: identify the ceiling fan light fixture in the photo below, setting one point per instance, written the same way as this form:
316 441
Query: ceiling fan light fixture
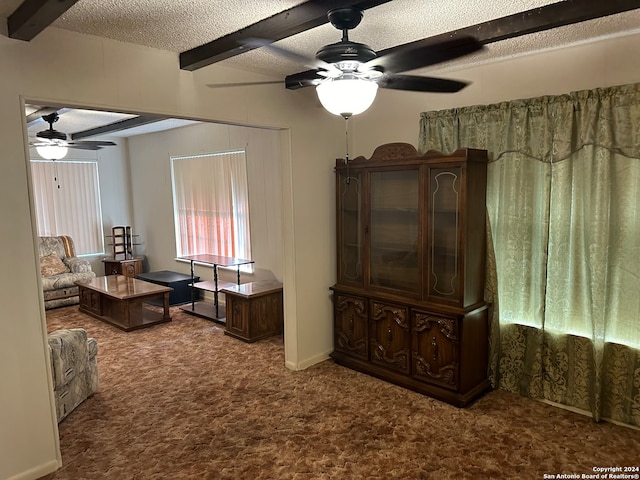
52 152
347 96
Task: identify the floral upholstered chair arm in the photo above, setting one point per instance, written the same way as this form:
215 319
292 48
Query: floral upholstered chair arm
77 265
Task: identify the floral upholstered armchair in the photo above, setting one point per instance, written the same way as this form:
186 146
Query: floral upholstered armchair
60 269
74 367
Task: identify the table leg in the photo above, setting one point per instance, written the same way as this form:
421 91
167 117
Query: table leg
193 298
165 304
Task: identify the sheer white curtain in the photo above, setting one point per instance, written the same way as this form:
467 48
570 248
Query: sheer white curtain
211 204
67 200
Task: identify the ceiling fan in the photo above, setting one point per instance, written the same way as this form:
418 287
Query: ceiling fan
53 145
347 74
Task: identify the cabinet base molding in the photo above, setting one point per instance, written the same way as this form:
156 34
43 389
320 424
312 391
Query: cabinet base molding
456 399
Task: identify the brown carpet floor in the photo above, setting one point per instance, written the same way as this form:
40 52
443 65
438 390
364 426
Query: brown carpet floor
183 401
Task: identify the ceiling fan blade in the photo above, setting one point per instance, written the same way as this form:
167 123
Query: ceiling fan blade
420 84
98 143
90 145
84 147
404 60
101 143
309 78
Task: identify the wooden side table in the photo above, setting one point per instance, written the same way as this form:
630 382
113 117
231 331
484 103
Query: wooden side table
254 310
129 267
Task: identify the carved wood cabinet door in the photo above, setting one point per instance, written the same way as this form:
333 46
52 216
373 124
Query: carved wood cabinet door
237 316
435 349
350 325
389 336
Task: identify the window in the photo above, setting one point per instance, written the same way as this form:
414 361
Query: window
211 204
67 201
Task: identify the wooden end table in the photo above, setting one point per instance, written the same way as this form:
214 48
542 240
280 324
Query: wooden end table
254 310
130 267
120 301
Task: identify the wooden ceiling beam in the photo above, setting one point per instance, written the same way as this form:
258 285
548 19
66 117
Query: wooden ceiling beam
290 22
550 16
33 16
117 126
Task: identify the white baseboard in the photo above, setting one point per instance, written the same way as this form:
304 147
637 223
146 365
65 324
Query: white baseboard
38 472
309 362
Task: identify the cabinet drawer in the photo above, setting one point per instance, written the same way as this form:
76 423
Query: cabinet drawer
435 349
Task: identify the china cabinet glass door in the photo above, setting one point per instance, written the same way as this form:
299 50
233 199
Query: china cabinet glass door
394 229
350 229
444 233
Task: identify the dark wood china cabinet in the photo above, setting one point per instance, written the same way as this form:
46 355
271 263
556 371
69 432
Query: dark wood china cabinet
409 300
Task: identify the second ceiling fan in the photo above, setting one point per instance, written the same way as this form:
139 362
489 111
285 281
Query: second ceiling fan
53 145
347 74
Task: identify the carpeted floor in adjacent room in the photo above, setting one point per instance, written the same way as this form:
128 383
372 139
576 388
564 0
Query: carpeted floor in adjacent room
183 401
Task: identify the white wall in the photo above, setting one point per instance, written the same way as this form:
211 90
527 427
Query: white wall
153 203
115 185
64 68
77 70
583 66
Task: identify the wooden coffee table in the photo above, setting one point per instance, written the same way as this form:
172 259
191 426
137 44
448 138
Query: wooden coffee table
120 301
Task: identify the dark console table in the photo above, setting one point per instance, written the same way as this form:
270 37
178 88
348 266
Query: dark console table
178 281
206 309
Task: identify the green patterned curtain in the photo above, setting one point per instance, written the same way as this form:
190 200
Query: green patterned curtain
563 263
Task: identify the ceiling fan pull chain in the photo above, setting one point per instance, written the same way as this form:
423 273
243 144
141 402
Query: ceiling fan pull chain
346 136
55 174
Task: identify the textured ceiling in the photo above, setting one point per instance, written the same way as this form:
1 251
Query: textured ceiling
178 26
76 120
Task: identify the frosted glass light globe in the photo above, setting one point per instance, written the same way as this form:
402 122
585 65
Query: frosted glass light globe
347 96
52 152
